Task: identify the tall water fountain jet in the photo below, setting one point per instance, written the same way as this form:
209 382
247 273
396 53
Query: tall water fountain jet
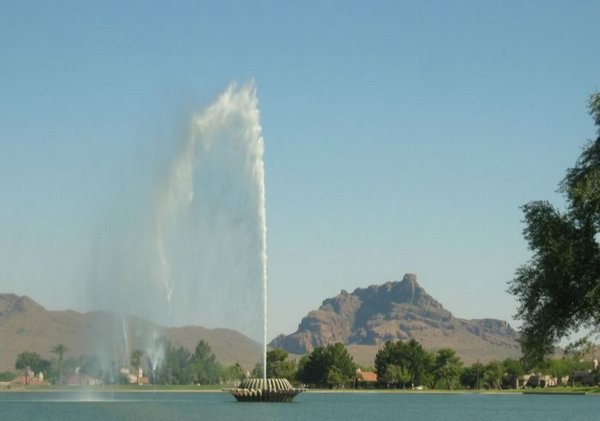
215 190
192 250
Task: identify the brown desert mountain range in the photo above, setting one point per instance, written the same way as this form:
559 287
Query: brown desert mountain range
368 317
362 320
27 326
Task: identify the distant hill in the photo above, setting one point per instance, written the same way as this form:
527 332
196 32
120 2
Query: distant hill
27 326
368 317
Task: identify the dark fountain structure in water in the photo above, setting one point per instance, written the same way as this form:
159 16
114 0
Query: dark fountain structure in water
264 390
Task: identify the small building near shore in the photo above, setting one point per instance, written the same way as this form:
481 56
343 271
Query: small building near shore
365 379
30 379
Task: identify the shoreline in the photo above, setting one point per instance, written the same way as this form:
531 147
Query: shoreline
219 389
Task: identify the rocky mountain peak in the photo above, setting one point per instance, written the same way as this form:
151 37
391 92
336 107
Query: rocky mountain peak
411 279
407 291
395 310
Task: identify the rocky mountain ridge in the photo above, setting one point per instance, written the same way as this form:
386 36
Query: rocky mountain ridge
27 326
368 317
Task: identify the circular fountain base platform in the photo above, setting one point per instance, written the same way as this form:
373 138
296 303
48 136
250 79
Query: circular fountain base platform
264 390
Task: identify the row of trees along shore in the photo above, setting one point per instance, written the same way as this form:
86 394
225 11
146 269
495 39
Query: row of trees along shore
399 364
178 366
406 364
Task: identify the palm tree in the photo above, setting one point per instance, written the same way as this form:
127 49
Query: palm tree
136 361
60 350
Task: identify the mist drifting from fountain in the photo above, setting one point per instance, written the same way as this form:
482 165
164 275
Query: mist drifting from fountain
216 185
192 248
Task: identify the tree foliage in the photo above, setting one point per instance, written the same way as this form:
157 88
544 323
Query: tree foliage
447 367
330 366
60 350
558 290
398 364
579 349
395 376
493 375
513 371
31 362
233 374
180 366
472 376
206 369
278 365
408 355
175 367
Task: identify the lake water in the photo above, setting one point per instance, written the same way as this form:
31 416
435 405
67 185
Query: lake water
307 406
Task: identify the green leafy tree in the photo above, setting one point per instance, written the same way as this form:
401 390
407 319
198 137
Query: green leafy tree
233 373
314 368
513 371
341 361
60 350
579 349
408 355
556 367
136 360
31 362
446 368
396 376
387 356
558 290
257 371
330 366
472 376
278 366
24 363
301 371
420 362
176 366
201 367
204 365
493 374
562 367
334 377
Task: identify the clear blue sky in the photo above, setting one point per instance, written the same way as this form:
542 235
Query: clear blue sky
401 136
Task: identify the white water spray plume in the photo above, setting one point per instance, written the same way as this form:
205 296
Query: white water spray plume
202 257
